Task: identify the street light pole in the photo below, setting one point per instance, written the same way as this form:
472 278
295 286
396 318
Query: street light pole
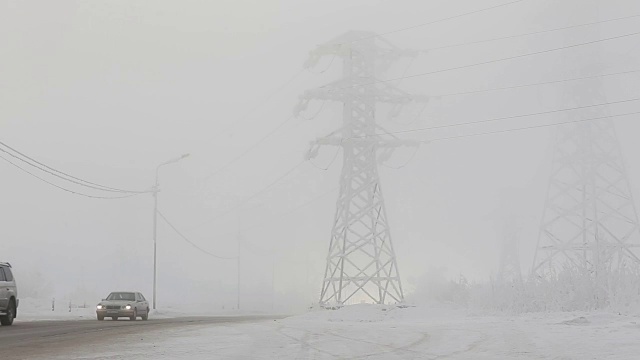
239 237
156 189
155 231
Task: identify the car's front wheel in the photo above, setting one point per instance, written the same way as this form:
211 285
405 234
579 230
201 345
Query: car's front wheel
100 318
10 314
146 315
135 315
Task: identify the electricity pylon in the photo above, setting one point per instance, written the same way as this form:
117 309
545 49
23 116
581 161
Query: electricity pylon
510 270
361 264
590 220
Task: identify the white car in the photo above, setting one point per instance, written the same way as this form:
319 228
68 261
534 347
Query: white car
123 304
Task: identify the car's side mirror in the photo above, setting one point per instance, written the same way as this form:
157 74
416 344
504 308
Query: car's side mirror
104 299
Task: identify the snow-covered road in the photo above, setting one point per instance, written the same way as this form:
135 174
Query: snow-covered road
374 332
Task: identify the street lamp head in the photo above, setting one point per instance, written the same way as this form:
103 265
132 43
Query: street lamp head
174 160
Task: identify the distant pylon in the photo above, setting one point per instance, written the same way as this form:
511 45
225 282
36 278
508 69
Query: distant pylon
590 220
361 264
510 270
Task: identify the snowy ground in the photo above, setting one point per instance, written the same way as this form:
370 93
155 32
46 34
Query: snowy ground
375 332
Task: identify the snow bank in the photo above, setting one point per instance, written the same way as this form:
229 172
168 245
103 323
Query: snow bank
31 309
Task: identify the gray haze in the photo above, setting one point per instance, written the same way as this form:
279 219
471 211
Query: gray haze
107 90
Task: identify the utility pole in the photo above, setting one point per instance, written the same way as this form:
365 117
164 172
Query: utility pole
238 270
238 273
156 189
155 242
361 263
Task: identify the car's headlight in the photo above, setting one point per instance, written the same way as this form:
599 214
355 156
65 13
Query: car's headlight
100 307
128 307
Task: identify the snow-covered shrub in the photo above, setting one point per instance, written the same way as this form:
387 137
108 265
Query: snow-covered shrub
570 289
433 287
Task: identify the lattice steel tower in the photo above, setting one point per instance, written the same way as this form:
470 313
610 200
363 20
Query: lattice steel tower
510 270
590 221
361 264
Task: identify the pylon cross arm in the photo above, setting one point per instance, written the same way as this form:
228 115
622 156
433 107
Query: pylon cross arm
358 87
366 141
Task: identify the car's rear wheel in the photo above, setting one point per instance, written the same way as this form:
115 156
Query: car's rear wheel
114 318
10 314
134 316
100 317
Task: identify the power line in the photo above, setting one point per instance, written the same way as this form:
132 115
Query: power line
296 208
529 127
263 138
301 206
259 142
534 84
309 202
333 159
325 69
258 105
533 33
71 177
492 61
249 149
521 86
253 196
413 155
191 242
62 177
65 189
498 119
324 102
437 21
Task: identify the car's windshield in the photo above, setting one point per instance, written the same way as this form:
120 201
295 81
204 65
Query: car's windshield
121 296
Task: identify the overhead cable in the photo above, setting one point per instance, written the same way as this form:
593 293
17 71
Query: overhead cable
333 159
253 196
295 209
530 127
249 149
438 21
258 105
65 189
191 242
533 33
301 206
534 84
64 178
497 119
71 178
492 61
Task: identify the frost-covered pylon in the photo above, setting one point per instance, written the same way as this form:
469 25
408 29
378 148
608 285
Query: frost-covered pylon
509 270
590 220
361 264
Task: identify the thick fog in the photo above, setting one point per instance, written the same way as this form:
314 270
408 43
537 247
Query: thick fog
108 90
